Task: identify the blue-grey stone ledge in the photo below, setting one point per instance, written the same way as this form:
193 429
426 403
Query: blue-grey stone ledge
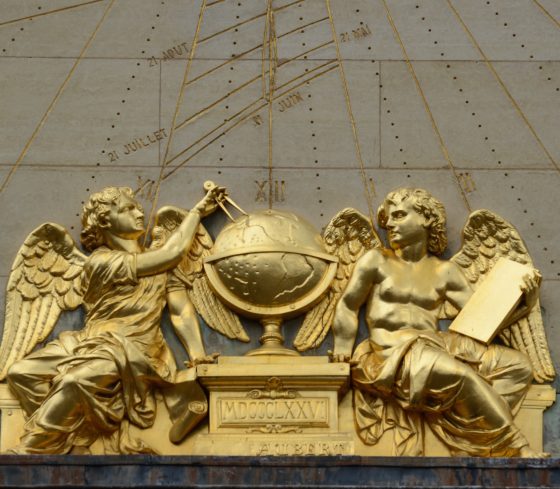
145 471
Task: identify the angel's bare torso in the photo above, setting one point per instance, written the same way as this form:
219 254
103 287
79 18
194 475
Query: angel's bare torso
404 297
406 294
404 289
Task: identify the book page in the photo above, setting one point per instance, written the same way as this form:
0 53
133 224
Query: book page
491 304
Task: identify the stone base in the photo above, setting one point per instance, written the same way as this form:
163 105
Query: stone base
274 394
265 406
278 445
278 472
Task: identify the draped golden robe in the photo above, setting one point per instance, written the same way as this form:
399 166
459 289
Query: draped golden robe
465 391
94 381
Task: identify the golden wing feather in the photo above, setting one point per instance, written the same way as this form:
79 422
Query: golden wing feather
213 312
44 280
348 236
191 272
486 238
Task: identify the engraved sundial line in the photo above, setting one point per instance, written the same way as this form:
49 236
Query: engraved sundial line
176 112
435 127
369 198
270 29
502 84
49 12
204 110
263 64
185 77
252 80
159 111
56 98
547 13
273 96
269 41
239 24
182 164
379 98
167 161
267 98
215 2
255 48
252 104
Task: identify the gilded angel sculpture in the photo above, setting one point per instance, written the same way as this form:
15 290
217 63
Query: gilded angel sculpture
93 382
408 371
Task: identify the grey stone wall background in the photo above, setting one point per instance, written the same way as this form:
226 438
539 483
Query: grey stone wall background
458 96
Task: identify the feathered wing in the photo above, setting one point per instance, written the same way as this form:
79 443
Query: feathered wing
191 272
348 236
486 238
45 279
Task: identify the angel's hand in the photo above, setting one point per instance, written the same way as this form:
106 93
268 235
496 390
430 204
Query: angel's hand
210 201
530 288
341 358
202 360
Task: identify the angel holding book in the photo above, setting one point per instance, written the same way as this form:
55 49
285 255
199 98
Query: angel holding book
96 381
408 371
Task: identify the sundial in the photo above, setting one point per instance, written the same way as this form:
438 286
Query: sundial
304 106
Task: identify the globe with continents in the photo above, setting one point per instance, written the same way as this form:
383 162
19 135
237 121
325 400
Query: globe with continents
270 264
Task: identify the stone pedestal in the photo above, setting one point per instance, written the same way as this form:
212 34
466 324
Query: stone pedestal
275 405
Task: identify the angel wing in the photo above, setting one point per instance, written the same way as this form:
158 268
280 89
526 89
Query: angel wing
191 272
487 237
348 236
45 279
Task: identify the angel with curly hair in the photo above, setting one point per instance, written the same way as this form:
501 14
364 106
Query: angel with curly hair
94 382
408 371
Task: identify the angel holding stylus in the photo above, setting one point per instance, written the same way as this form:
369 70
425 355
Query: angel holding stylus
96 381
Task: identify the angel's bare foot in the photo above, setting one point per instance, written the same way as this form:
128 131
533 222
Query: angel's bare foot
202 360
338 357
528 452
341 358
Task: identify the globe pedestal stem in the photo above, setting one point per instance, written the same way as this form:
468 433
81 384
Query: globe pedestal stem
272 340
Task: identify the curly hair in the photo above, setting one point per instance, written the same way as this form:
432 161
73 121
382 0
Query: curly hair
95 210
426 205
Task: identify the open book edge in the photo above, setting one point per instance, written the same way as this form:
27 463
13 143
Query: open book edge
490 305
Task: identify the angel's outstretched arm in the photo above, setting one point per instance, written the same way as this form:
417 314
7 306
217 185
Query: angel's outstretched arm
345 324
175 247
185 322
